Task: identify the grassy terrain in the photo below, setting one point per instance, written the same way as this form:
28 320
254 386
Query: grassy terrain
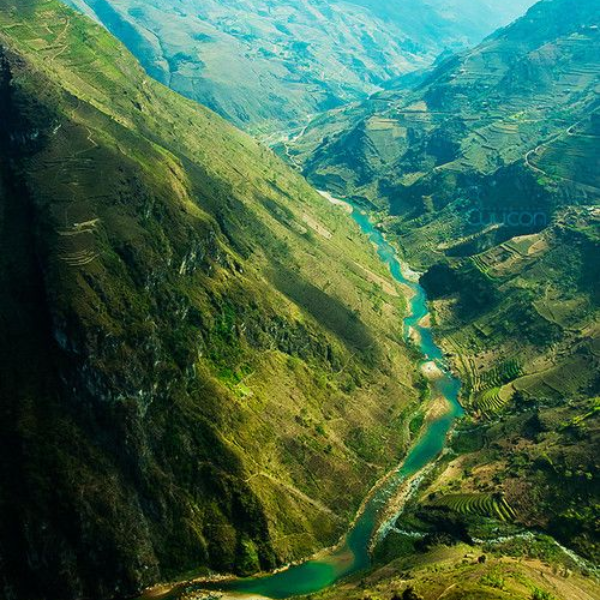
473 531
508 130
267 66
528 354
200 365
462 572
447 160
496 127
537 332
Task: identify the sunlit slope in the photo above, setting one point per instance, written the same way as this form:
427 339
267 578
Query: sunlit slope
459 126
460 573
479 164
485 172
200 356
268 65
489 168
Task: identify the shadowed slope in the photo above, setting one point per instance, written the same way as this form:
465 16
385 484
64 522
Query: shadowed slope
165 407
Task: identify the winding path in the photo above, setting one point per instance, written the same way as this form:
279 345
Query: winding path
568 132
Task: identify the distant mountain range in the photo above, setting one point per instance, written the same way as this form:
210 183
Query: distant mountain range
203 366
269 64
503 105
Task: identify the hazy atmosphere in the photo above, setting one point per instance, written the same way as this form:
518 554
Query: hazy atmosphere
299 299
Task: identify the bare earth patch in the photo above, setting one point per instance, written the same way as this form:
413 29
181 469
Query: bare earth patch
316 226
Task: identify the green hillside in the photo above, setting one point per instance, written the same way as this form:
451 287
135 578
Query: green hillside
200 366
269 65
462 573
484 171
526 87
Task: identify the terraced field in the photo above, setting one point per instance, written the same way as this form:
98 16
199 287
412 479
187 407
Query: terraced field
490 392
269 66
483 505
571 377
489 402
536 332
511 127
574 157
498 376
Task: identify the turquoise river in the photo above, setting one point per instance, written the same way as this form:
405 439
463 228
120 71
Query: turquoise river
352 554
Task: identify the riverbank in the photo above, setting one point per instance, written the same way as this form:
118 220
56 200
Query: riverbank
336 201
352 554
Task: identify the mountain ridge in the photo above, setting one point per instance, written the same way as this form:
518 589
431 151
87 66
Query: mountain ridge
267 66
468 94
202 361
188 376
485 173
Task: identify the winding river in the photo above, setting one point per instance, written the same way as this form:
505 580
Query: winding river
352 555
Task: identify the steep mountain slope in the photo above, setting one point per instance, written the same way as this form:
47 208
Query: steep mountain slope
476 112
200 358
267 64
493 145
485 172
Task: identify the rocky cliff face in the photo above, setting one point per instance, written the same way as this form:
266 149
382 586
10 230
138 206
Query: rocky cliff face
85 472
195 370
